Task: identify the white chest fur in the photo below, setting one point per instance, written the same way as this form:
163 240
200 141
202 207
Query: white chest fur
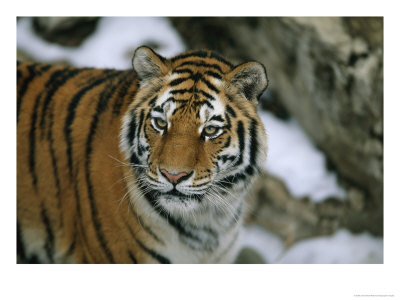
207 235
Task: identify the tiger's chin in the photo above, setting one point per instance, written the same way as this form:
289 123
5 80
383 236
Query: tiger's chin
179 206
176 203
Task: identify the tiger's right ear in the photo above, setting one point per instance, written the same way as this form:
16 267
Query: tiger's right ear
148 64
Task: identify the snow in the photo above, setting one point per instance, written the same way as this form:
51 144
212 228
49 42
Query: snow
295 159
342 247
291 155
111 45
267 244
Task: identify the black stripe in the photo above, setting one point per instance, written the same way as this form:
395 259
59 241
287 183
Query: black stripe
202 54
132 128
79 218
56 81
123 92
154 254
102 104
72 110
141 118
206 103
24 87
19 75
148 230
181 91
166 101
240 134
71 247
49 244
162 259
55 167
192 90
196 77
229 97
132 257
217 118
158 109
213 74
20 245
221 59
226 157
228 122
253 142
209 85
180 71
207 95
153 101
228 142
32 142
250 170
45 68
134 160
229 181
179 81
199 53
33 73
200 64
230 110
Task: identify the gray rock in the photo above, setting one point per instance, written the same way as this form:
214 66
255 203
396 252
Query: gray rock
249 256
328 73
66 31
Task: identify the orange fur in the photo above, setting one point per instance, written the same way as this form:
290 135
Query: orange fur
74 184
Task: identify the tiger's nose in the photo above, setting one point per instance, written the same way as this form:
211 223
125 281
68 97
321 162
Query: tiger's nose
174 177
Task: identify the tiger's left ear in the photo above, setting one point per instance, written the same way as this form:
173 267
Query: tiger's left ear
250 78
148 64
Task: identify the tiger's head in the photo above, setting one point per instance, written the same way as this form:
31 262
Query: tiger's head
192 133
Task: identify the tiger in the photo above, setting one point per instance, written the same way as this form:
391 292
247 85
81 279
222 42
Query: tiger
145 165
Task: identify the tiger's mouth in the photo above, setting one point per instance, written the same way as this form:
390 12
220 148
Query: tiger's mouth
182 189
175 193
181 196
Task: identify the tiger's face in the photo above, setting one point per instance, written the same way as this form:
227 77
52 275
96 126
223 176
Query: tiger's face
192 134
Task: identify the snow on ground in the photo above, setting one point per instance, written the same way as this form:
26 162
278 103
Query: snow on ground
293 158
342 247
291 155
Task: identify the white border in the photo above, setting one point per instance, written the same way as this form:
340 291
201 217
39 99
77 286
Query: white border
190 281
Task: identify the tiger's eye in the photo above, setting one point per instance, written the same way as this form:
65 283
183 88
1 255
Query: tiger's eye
161 123
210 130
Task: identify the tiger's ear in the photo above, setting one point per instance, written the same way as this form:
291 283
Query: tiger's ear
250 78
148 64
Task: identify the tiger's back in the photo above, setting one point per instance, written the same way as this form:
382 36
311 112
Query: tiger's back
80 196
67 150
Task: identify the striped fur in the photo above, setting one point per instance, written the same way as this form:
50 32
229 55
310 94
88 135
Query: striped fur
96 151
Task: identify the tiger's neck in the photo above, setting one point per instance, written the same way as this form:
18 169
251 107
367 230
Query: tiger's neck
206 235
